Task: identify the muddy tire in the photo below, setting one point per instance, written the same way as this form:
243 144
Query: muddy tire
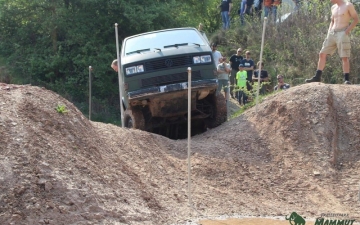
219 114
134 118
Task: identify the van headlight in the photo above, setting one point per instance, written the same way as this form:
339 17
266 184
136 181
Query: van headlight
134 69
202 59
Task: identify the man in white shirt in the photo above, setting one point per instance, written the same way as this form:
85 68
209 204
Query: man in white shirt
223 69
216 54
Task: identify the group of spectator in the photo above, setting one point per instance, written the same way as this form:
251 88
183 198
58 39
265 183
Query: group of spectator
251 8
237 75
255 7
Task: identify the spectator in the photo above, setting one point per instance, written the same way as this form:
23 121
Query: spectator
225 13
235 61
242 11
281 85
249 7
338 37
258 8
268 7
216 54
271 8
263 74
249 67
223 70
276 4
241 82
114 65
200 28
297 4
264 77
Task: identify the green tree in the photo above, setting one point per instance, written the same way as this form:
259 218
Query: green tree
52 42
207 12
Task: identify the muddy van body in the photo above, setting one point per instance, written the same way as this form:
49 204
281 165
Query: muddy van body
154 68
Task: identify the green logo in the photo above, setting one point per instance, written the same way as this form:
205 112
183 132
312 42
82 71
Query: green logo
322 221
294 217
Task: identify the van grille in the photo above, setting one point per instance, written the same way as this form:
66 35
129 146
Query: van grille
159 64
170 79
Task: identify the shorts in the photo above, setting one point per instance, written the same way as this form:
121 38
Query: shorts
223 84
337 40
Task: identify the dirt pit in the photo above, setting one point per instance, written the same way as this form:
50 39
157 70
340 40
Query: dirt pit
179 130
299 152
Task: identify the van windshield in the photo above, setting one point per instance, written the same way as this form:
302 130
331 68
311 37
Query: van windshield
161 40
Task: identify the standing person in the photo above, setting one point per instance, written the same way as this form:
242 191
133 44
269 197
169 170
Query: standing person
338 38
114 65
235 61
249 7
264 77
271 8
225 13
268 4
200 28
258 8
297 4
281 85
241 82
276 4
223 70
249 67
216 54
242 11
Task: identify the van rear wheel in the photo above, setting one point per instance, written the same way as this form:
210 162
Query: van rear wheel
134 118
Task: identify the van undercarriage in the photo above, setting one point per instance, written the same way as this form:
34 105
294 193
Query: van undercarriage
166 113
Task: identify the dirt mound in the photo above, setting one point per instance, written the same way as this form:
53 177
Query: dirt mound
299 152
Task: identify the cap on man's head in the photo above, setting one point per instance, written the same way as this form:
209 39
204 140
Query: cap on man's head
241 65
280 76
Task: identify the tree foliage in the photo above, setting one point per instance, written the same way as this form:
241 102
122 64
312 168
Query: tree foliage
53 42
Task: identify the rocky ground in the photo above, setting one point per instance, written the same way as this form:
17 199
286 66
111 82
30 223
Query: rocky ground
298 151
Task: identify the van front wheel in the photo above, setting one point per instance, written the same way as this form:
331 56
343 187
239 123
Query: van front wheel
219 112
134 118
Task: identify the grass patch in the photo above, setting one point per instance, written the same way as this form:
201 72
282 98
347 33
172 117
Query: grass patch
251 104
61 109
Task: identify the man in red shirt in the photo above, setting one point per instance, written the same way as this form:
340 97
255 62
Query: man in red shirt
271 8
